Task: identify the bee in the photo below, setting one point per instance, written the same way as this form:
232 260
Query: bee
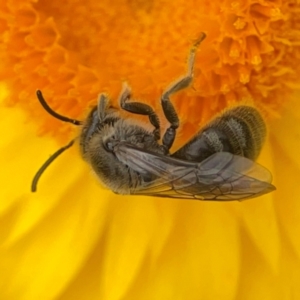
218 163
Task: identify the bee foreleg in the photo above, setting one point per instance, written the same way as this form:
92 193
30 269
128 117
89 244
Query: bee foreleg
140 109
102 103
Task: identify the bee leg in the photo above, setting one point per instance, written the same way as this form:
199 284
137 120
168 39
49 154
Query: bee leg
178 85
101 108
140 109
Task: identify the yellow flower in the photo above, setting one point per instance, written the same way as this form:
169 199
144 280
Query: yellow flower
75 240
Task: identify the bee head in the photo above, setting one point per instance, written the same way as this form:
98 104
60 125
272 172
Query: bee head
99 119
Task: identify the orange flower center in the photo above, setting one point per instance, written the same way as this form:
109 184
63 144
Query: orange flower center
74 51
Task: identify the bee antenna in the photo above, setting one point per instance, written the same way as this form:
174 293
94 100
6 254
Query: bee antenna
52 112
46 164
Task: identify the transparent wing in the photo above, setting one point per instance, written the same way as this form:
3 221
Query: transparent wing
222 176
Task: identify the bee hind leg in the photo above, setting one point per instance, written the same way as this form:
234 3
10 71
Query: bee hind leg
140 109
181 83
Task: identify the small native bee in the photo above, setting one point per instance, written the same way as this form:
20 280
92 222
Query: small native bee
216 164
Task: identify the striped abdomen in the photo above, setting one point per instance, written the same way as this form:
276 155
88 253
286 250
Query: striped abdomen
240 130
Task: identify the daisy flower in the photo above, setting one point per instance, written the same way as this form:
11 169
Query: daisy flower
74 239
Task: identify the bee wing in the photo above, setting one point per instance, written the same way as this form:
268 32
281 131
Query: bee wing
222 176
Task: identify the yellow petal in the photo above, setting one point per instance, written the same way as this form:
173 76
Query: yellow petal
286 138
46 237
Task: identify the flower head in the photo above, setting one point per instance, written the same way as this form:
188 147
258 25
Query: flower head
76 241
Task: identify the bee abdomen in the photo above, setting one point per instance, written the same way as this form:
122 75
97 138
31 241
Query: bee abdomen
244 129
240 131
